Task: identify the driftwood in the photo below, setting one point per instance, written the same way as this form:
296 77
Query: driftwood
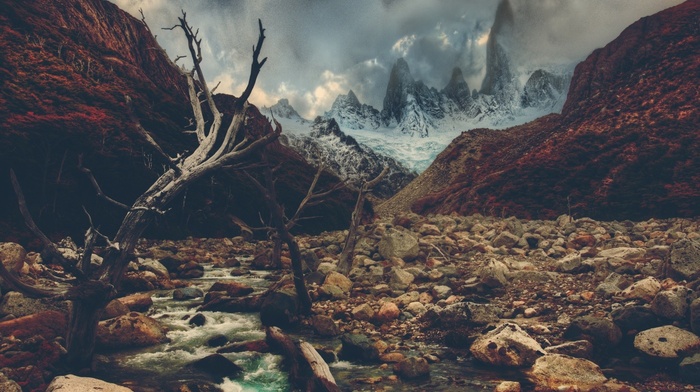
307 369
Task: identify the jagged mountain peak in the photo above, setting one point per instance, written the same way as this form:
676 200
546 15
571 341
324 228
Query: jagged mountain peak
282 109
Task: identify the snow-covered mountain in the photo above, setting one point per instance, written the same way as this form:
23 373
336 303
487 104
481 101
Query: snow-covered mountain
349 112
417 121
327 145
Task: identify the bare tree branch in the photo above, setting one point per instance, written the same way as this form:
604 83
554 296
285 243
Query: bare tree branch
29 290
48 244
97 187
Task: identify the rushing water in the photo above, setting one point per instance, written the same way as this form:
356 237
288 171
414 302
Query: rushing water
154 368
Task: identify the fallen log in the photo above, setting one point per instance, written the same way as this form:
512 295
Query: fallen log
306 367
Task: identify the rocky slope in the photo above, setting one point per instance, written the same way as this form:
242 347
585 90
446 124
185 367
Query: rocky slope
67 67
624 147
327 145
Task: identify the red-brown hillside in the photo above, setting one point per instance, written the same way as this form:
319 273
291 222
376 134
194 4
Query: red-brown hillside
626 146
66 68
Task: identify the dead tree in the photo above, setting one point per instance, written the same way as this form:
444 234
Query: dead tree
345 259
91 288
281 225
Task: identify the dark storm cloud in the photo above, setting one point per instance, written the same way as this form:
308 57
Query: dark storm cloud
318 49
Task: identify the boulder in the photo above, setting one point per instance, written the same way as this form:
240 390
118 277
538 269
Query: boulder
398 243
19 305
441 292
572 264
493 274
338 279
416 308
83 384
387 312
362 312
218 366
190 270
7 385
400 279
506 239
672 304
577 349
602 332
139 302
130 330
324 325
114 308
557 372
645 289
507 386
49 324
197 320
185 293
684 260
12 256
695 316
689 369
507 345
623 253
280 308
357 347
637 318
412 367
154 266
666 342
232 289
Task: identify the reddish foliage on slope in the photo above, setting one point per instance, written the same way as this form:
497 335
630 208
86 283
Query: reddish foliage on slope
625 146
66 68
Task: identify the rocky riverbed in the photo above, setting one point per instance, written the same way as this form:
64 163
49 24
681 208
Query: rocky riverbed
571 304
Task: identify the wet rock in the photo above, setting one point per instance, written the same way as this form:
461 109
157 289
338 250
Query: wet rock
218 366
190 270
258 346
12 256
689 369
170 262
185 293
684 260
139 302
387 312
114 308
362 312
400 279
508 386
557 372
602 332
357 347
507 345
635 318
49 324
131 330
74 383
154 266
665 342
280 308
695 316
393 357
577 349
263 261
672 304
232 289
493 274
398 243
324 325
646 289
412 367
217 340
198 320
137 281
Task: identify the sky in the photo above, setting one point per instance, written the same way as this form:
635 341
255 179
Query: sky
318 49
